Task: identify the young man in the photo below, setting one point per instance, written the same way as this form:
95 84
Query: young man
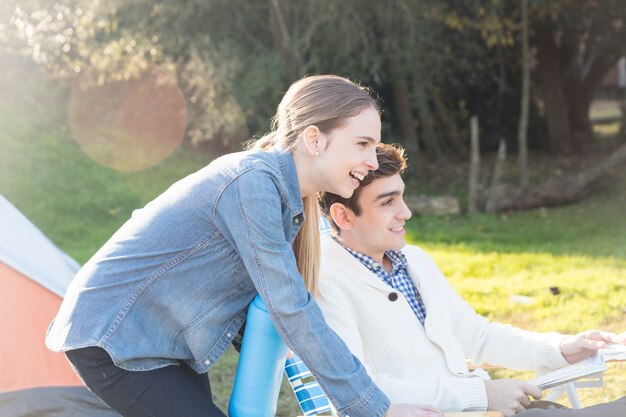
397 313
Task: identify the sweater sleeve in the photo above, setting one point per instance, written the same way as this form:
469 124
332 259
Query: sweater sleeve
448 394
498 344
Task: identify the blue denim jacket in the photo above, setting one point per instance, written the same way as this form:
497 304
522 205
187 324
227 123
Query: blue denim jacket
174 281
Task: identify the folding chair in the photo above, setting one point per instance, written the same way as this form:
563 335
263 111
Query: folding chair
570 389
309 394
314 402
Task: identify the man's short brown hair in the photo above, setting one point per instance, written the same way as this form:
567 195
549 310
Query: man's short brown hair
391 161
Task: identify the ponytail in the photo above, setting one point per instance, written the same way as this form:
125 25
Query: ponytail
306 245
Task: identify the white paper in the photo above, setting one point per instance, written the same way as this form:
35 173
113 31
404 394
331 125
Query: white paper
587 367
613 352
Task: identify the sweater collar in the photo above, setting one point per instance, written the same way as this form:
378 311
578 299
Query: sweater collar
334 253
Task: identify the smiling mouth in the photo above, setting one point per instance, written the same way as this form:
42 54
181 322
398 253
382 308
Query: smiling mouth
357 175
397 229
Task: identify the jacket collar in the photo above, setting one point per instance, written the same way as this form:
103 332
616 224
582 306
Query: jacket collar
290 178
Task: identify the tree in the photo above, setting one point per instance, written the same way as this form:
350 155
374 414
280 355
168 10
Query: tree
577 44
522 133
433 62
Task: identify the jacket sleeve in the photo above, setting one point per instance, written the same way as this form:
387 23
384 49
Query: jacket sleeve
494 343
255 228
448 394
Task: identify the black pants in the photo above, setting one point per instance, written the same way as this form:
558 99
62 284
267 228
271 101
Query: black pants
165 392
615 408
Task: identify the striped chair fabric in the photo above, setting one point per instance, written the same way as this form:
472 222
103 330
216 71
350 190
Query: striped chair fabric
309 394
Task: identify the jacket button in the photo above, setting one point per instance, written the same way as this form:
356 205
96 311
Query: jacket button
296 220
393 296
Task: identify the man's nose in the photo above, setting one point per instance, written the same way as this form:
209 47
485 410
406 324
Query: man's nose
405 212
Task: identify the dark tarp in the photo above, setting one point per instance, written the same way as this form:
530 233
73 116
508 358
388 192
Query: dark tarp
53 402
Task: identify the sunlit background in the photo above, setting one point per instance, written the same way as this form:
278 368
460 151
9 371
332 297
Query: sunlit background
104 104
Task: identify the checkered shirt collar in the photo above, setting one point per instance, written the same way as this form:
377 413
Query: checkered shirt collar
397 258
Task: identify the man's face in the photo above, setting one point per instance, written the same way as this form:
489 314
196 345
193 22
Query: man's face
380 226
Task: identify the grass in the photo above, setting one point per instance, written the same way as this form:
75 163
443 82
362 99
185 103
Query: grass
75 201
579 249
606 117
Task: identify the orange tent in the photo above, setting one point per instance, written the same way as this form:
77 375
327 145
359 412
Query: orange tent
34 274
25 313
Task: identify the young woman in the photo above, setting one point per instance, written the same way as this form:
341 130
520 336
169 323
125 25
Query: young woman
156 307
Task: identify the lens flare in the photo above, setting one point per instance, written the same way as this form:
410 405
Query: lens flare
128 125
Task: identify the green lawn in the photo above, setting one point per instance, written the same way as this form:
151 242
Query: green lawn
606 118
579 249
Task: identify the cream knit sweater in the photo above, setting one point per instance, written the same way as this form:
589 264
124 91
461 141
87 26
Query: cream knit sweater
426 364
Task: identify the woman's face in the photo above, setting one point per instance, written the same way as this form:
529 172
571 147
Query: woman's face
350 152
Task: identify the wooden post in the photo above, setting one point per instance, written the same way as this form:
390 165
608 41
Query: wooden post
474 172
490 206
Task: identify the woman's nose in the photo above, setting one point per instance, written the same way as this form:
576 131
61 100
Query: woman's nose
372 160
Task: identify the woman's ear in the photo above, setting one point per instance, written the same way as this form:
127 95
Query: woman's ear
342 216
314 140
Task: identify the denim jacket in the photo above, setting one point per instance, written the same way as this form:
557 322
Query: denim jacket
173 283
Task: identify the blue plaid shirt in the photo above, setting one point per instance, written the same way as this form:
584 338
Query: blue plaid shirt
397 279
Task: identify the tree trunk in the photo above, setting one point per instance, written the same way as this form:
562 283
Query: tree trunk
292 61
580 93
425 116
522 141
552 87
558 191
452 136
582 131
402 107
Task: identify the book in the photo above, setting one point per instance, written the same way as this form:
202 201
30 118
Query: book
593 365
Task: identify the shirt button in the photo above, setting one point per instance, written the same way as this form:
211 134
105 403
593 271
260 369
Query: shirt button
393 296
296 220
229 334
207 362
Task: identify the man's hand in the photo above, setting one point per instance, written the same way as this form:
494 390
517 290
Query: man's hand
510 396
583 345
410 410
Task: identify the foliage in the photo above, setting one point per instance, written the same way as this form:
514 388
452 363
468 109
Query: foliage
454 58
577 44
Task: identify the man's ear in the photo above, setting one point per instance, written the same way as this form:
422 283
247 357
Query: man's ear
314 140
342 216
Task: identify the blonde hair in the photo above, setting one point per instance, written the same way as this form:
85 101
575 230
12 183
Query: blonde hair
325 101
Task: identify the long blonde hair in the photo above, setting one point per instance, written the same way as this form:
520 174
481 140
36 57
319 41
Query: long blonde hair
325 101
